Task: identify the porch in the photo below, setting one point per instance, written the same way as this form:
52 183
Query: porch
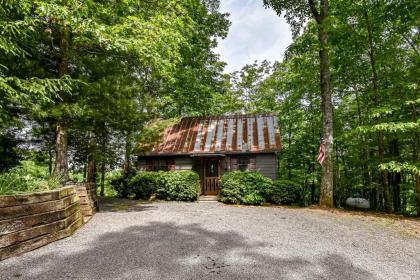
210 168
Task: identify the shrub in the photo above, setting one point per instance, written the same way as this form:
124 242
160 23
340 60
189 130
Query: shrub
119 183
244 187
286 192
29 177
178 185
143 185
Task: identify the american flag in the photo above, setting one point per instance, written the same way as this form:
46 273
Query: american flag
321 153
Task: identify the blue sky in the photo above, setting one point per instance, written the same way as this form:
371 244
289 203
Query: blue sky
256 33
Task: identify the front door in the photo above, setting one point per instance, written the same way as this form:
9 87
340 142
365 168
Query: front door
211 177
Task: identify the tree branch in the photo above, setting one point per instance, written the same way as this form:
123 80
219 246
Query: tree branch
410 43
314 11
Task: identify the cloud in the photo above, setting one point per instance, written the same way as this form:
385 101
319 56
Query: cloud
256 33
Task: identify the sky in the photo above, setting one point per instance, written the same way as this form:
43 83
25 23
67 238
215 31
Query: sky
256 33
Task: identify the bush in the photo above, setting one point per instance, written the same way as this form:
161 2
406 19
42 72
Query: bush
143 185
244 187
178 185
169 185
286 192
29 177
119 183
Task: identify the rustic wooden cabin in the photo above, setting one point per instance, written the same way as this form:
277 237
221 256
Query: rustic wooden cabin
215 145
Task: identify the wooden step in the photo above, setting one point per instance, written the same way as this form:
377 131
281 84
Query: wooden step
207 198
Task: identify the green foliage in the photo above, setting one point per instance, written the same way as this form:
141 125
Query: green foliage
76 177
178 185
144 184
29 177
401 167
286 192
119 184
152 134
244 187
169 185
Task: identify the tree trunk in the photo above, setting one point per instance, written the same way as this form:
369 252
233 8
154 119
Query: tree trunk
394 150
289 161
384 176
91 162
327 180
102 192
61 165
381 142
416 146
417 178
127 155
50 161
61 161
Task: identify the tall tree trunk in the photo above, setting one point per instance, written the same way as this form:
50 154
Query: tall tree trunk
61 164
384 175
289 161
364 155
396 176
127 155
313 152
327 180
416 157
102 192
91 162
61 161
50 161
417 178
381 141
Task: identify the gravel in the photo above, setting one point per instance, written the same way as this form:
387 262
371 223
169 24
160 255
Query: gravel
170 240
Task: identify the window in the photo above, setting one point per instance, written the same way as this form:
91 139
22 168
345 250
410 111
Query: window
243 163
160 164
212 168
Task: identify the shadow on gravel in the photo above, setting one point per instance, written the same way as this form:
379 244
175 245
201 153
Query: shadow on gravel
112 204
167 251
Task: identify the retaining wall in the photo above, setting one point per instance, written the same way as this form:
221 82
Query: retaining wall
29 221
88 199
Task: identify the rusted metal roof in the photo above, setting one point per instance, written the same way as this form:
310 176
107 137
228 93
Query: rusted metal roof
221 134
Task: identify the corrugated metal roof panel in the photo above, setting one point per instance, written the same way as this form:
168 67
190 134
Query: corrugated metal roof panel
222 134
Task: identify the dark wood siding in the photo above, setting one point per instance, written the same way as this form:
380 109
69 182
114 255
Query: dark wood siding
267 165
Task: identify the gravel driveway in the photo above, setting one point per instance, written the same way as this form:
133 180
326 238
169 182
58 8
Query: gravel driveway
209 240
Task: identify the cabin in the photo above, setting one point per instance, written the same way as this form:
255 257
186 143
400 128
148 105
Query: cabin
215 145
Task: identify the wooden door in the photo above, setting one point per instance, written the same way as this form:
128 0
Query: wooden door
211 176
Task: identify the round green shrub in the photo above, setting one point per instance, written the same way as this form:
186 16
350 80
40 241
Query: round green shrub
143 185
244 187
178 185
286 192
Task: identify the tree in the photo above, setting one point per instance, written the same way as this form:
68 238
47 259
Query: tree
198 79
73 34
297 13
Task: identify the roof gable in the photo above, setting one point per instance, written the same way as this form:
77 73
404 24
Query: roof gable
221 134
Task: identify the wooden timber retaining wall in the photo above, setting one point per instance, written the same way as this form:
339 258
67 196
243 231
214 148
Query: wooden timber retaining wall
88 199
29 221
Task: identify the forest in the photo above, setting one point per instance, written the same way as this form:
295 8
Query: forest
82 82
